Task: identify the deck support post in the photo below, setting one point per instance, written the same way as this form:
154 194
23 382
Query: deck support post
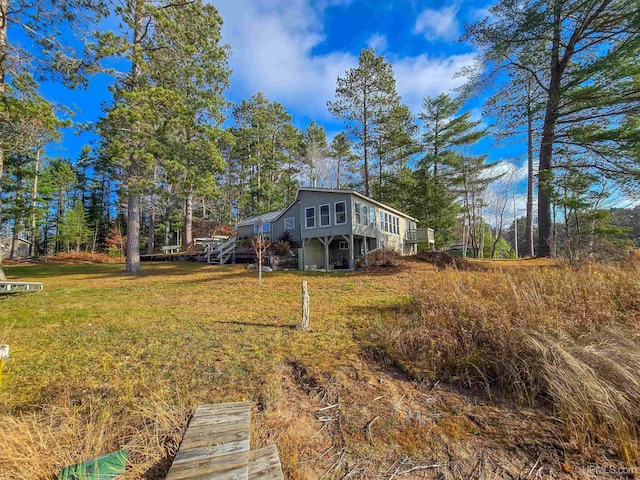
304 254
366 251
351 253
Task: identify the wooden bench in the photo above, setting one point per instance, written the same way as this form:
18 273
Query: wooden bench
20 287
171 248
216 447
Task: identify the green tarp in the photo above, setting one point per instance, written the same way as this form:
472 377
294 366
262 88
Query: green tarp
107 467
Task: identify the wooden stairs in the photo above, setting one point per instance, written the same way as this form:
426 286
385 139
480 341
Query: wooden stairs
216 447
219 252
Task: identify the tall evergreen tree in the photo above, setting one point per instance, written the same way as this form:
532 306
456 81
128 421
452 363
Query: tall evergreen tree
363 96
267 151
150 101
445 133
394 145
589 80
195 68
43 51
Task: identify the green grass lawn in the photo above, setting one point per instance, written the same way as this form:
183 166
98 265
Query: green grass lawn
205 333
179 333
102 361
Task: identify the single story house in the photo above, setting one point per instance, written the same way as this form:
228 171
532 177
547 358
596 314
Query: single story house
331 228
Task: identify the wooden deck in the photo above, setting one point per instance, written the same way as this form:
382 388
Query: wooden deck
20 287
216 447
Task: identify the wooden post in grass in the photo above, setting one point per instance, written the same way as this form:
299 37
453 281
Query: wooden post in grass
305 306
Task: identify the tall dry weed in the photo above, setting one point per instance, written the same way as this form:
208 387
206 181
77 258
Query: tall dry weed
564 336
37 445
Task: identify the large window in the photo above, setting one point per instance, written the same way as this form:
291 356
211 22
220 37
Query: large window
341 213
310 217
372 217
389 223
365 215
358 213
325 219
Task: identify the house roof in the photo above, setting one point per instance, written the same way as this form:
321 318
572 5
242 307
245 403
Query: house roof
357 194
263 217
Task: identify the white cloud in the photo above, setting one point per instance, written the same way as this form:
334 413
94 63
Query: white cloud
378 42
438 24
273 44
417 77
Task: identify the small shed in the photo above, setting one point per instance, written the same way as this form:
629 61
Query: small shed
22 249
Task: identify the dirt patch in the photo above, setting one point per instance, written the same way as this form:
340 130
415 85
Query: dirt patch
444 260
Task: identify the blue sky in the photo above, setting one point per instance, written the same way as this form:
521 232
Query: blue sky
294 50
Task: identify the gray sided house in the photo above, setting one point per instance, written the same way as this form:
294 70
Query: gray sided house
22 247
333 228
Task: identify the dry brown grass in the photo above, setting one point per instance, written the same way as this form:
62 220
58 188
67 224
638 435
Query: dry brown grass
564 336
39 444
100 361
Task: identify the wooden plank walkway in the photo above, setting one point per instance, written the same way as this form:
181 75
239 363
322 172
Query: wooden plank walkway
264 464
20 287
216 447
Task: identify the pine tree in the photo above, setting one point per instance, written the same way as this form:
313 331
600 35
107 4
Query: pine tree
445 133
43 52
363 96
394 146
588 79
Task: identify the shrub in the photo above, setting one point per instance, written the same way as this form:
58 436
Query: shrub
281 248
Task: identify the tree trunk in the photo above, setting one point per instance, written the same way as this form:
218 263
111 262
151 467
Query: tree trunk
529 249
188 219
133 233
364 140
338 175
14 240
34 203
133 200
4 7
545 172
151 244
17 218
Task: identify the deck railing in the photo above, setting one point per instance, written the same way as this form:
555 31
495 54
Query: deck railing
420 235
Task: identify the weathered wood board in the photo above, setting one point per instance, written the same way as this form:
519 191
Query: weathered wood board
264 464
215 445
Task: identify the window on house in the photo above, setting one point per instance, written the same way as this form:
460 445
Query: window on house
372 217
290 223
365 215
341 213
266 228
343 245
358 215
325 219
310 217
381 226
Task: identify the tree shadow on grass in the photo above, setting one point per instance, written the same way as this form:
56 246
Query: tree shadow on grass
262 325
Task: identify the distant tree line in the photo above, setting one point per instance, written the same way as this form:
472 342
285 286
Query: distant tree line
175 158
